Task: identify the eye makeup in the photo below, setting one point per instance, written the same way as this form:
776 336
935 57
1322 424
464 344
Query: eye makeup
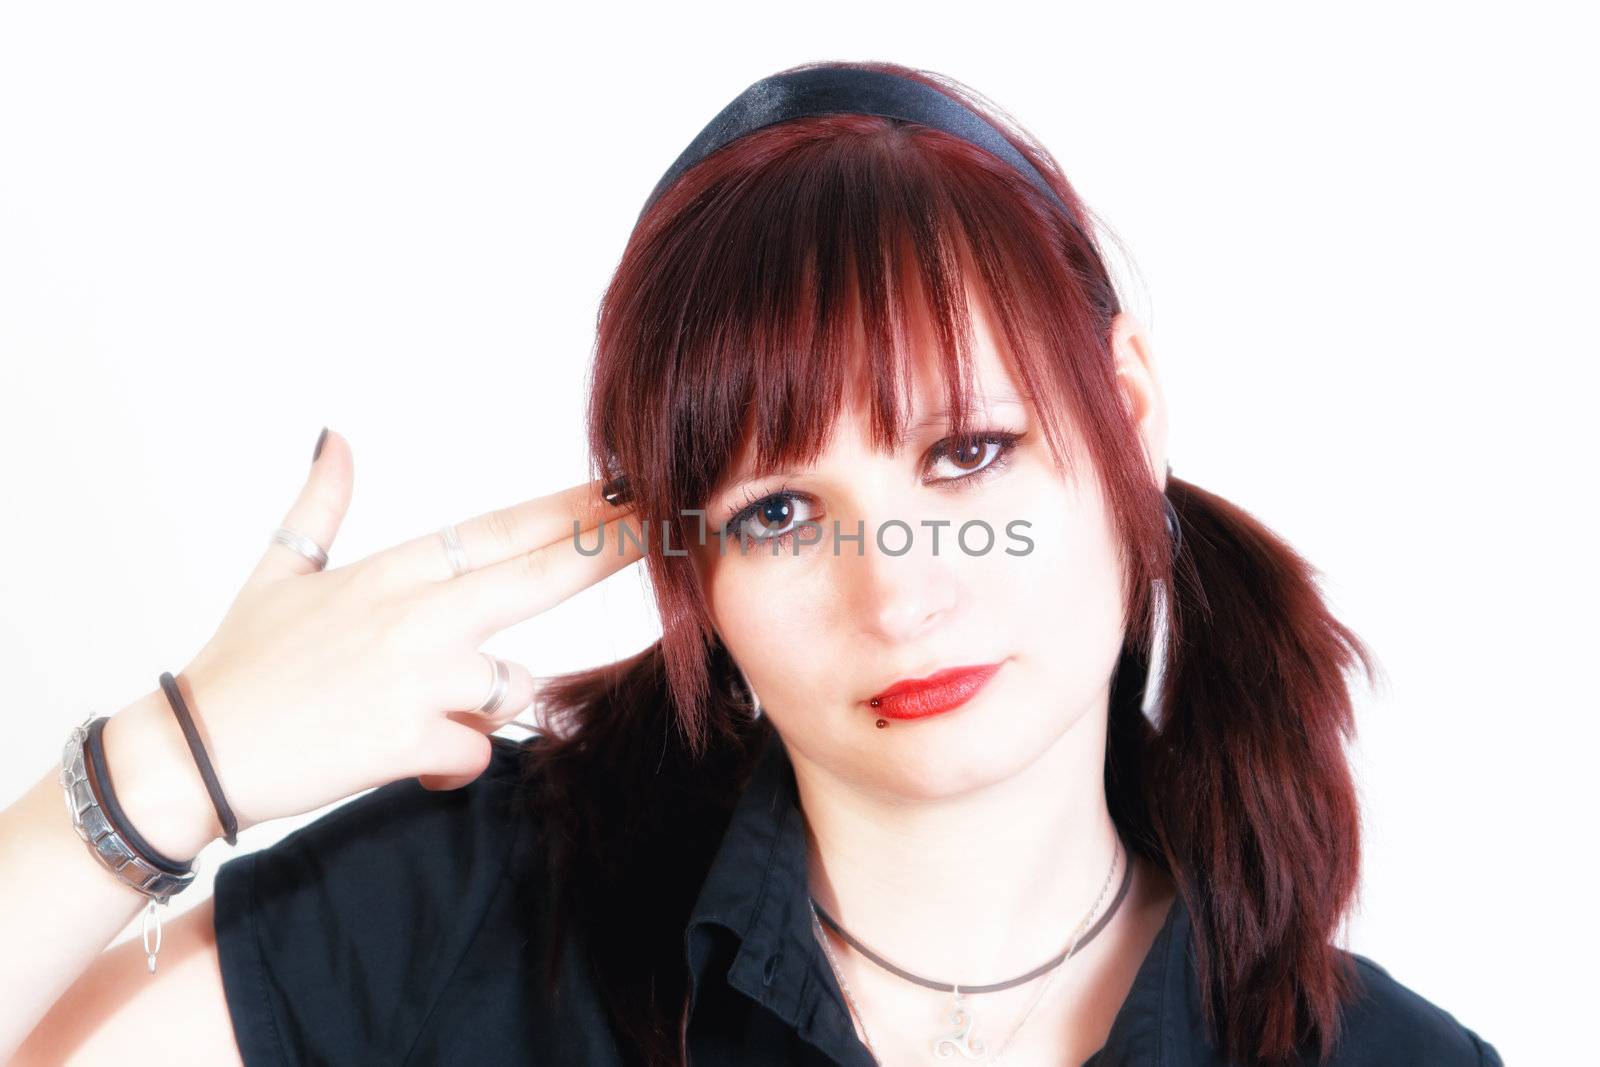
997 448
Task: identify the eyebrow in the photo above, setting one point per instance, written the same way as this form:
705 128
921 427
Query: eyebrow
937 417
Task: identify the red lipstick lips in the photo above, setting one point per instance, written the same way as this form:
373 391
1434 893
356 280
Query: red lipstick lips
918 698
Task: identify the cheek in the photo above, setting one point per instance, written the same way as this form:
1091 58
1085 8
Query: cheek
772 616
1061 604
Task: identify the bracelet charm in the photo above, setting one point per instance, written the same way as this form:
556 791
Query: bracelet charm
109 842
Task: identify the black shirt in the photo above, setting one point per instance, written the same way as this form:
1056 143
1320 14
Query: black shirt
404 927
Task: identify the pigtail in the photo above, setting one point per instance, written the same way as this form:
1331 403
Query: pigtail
1246 785
626 800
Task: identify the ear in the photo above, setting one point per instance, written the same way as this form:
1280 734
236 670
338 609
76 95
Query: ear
1133 353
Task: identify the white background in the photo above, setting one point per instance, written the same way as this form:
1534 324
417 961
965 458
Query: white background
1363 237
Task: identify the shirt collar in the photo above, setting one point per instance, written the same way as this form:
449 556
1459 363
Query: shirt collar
756 887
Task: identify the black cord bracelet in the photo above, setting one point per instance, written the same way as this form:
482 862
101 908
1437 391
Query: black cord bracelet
100 783
230 825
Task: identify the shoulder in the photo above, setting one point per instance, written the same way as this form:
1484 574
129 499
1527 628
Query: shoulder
1389 1022
398 843
336 941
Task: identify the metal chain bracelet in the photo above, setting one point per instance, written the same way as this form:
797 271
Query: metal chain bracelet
99 822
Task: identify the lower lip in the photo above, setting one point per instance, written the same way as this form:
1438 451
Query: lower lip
948 693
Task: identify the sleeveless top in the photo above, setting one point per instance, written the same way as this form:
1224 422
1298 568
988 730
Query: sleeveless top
408 927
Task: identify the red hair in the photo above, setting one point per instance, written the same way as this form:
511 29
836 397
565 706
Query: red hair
742 305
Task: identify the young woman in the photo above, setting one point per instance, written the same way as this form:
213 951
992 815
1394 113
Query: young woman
972 735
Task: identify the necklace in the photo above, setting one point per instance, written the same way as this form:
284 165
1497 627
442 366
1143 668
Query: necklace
961 1041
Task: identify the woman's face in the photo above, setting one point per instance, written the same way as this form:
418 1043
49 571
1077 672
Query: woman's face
820 628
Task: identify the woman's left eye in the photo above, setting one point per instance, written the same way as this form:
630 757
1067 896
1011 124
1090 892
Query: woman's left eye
975 454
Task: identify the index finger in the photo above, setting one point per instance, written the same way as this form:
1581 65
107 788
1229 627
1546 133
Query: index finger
496 536
494 598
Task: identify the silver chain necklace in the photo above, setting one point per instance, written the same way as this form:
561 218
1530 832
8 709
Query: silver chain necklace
961 1042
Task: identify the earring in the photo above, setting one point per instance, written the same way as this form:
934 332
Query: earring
1156 675
750 697
1173 529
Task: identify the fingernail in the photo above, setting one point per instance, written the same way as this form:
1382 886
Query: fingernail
616 491
321 437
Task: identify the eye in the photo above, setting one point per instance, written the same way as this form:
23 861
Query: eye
770 518
774 518
976 454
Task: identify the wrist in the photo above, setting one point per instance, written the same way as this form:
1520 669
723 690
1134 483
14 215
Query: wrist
156 781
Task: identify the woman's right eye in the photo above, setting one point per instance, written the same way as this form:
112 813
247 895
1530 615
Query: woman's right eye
773 518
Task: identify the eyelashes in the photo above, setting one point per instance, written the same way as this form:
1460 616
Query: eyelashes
997 448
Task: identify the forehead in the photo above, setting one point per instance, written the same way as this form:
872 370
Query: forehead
992 387
990 369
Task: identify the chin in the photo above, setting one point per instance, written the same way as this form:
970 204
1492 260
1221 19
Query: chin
937 760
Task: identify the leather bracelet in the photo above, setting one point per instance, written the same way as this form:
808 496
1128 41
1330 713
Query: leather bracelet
94 759
230 825
109 840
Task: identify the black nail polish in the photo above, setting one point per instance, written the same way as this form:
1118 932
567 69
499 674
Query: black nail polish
321 437
616 491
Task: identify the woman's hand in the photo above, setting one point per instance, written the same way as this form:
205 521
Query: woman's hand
320 684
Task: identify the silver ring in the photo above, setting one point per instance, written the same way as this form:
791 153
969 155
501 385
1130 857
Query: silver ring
497 691
452 549
301 544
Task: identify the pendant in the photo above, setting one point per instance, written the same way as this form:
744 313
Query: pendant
961 1041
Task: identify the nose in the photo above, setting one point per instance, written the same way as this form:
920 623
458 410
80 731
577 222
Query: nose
901 597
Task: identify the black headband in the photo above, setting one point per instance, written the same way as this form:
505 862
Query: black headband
830 90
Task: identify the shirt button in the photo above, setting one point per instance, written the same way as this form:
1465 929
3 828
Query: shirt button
771 967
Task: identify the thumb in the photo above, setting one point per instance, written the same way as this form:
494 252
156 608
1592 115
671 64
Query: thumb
316 513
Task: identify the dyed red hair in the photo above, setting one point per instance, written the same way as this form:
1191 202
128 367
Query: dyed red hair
742 304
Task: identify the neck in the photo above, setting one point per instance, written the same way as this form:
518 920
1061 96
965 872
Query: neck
976 888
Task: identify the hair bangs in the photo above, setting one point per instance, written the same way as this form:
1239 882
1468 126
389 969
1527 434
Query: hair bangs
831 277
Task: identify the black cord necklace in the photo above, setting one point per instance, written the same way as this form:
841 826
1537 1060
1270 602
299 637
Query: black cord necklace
962 1041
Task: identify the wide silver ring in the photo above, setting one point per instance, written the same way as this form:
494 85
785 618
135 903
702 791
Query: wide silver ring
498 690
301 544
453 550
